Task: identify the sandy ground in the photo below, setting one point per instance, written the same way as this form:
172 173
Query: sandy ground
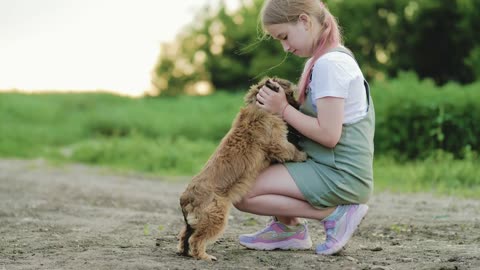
78 217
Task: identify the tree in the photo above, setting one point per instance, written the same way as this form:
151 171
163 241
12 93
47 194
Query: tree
226 50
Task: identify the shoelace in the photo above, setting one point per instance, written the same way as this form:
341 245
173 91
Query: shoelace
267 226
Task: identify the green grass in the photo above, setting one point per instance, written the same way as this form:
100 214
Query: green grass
440 175
175 136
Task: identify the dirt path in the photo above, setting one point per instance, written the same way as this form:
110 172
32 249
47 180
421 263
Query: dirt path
79 217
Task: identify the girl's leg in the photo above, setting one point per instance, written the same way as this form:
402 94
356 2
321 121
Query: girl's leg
275 193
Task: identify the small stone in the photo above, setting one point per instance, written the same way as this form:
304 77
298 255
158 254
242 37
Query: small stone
380 268
351 259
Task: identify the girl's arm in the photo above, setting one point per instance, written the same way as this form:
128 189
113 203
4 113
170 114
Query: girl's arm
325 129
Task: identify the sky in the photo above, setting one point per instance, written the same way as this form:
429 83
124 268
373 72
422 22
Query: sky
87 45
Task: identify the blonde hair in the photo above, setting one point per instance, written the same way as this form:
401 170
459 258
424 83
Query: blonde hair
288 11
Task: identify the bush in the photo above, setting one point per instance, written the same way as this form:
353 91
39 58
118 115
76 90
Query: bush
416 118
435 38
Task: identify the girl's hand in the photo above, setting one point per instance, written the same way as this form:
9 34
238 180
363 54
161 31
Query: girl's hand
274 102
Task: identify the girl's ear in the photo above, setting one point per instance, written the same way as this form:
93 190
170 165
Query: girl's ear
305 20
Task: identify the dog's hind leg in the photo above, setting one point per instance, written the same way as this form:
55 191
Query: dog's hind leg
181 238
187 230
198 245
210 226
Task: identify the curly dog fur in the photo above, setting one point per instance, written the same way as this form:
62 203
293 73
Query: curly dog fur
256 139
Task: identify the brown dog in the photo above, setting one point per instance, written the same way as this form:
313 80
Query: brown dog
256 139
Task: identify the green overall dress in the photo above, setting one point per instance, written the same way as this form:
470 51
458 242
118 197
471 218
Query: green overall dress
339 175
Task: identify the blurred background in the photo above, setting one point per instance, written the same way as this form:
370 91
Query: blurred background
153 87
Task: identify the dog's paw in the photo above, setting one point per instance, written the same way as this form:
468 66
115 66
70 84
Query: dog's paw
209 258
205 257
300 156
181 250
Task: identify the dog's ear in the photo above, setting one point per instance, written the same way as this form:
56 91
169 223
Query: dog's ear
290 91
251 96
289 88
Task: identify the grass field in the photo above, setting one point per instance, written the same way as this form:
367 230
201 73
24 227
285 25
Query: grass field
175 136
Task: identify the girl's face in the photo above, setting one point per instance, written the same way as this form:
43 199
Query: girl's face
296 37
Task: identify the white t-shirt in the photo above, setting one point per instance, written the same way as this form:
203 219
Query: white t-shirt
336 74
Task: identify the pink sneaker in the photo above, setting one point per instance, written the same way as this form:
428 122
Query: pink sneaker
340 226
278 236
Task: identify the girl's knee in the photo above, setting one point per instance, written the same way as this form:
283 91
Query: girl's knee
242 204
362 196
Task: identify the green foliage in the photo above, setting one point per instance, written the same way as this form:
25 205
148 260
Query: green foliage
38 125
415 118
168 155
473 61
435 38
440 173
225 48
426 136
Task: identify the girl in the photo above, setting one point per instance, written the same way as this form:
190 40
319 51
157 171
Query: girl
336 120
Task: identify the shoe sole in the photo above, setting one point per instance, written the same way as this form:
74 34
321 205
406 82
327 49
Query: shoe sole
358 216
292 244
